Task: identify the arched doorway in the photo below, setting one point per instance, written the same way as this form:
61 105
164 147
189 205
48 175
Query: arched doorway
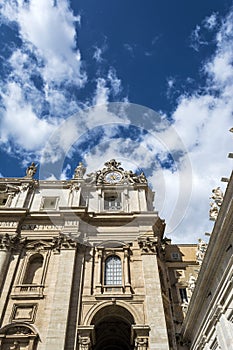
113 328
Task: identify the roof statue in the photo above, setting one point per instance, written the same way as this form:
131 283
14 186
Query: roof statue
31 170
79 171
217 196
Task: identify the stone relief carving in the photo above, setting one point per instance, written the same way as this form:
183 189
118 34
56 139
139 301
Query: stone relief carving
141 343
11 242
121 176
84 343
32 227
19 330
148 244
201 249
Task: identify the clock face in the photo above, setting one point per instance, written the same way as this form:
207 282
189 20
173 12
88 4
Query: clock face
113 177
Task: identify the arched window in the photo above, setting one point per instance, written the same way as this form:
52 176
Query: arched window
34 270
113 271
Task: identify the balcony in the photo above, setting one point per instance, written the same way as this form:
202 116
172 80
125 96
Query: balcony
27 291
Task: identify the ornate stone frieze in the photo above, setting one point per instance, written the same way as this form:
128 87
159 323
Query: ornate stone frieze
10 224
148 244
35 227
112 173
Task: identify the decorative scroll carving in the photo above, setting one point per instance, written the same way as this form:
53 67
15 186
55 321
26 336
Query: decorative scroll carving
8 188
63 242
11 242
122 176
148 244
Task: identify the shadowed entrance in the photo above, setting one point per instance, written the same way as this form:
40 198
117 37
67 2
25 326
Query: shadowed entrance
113 328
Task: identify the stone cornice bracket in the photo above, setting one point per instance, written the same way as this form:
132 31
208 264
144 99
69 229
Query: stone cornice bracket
14 242
148 245
64 241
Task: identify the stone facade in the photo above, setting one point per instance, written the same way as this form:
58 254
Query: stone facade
209 320
85 265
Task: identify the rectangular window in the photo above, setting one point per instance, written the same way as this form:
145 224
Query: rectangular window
183 295
112 201
179 273
175 256
49 203
3 200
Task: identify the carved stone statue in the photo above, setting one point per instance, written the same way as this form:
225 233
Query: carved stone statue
79 171
31 170
142 178
217 196
213 212
191 282
201 249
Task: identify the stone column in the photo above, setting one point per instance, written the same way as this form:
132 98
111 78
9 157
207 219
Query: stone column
154 308
99 271
224 330
4 256
126 270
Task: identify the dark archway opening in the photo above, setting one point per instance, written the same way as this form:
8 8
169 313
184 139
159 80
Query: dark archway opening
113 329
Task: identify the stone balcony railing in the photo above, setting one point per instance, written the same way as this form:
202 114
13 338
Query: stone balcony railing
23 291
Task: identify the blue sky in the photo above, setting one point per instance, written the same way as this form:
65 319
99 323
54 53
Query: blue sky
147 83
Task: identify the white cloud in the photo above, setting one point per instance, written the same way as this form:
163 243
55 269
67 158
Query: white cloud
114 81
20 124
55 48
211 21
98 54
